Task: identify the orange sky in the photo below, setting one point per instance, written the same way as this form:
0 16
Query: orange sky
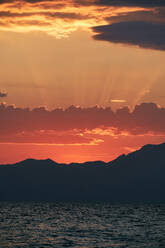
83 53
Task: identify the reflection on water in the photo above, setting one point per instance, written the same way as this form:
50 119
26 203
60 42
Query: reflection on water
34 225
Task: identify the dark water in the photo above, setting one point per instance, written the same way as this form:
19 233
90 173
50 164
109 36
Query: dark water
81 225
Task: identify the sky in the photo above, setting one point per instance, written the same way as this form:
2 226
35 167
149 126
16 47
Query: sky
80 80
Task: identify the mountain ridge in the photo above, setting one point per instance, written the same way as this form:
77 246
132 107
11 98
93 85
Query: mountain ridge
136 177
146 148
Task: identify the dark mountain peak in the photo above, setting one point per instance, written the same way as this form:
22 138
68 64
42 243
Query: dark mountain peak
150 147
50 161
149 150
148 158
32 161
27 161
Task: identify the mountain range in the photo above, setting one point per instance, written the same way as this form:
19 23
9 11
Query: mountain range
137 177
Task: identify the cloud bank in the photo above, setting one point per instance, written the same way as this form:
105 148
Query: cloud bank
76 124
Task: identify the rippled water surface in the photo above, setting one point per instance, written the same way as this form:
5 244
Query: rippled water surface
81 225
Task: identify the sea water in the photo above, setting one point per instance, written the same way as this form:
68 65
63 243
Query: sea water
42 225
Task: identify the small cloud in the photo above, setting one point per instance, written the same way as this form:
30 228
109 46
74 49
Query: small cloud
118 101
3 94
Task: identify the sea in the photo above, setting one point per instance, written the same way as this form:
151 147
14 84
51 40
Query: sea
43 225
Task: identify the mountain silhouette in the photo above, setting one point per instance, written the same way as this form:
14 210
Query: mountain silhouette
136 177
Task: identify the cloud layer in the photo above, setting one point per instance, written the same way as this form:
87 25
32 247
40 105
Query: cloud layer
76 125
146 3
138 23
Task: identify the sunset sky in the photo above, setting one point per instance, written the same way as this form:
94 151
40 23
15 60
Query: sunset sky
80 80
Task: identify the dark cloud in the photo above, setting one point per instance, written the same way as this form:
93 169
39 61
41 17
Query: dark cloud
52 15
3 94
153 15
139 3
142 34
129 3
65 15
41 125
5 1
4 14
